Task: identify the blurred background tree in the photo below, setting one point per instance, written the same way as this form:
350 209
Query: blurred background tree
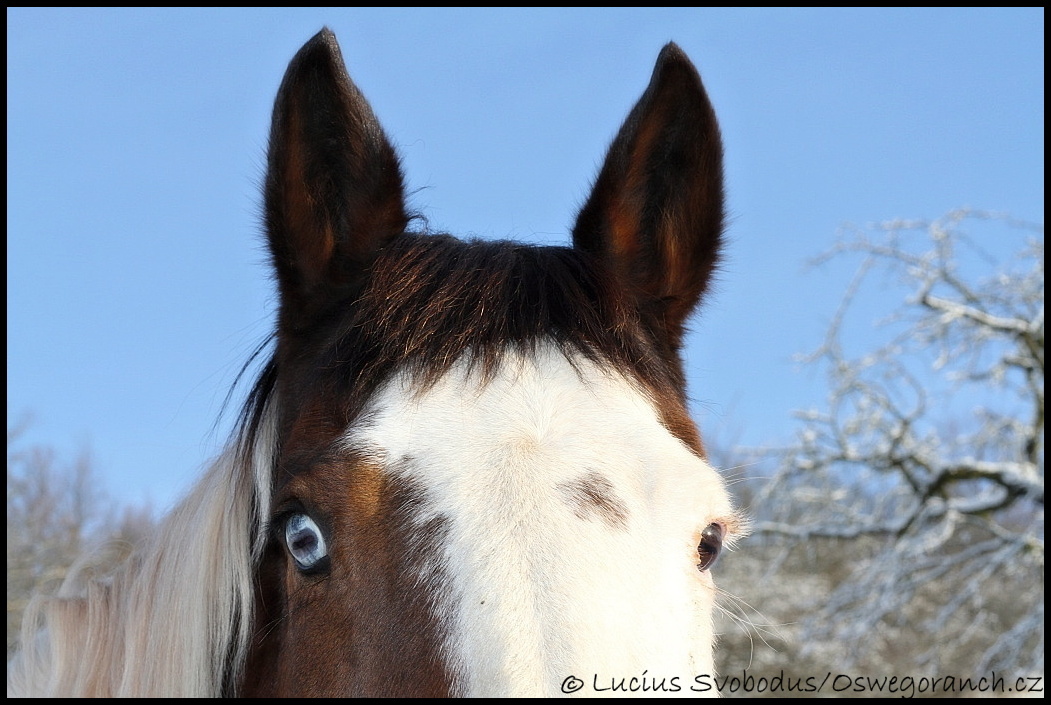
902 531
54 512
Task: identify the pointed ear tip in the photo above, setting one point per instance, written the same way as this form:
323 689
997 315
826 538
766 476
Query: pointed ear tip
324 41
324 35
674 66
673 53
320 53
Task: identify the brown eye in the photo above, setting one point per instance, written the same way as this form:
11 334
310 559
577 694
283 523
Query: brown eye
710 545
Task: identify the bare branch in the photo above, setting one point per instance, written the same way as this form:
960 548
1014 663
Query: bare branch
928 461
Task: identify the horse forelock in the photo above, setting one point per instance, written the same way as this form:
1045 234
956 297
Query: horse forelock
431 301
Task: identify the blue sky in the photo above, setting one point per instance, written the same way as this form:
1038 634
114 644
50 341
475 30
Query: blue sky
137 283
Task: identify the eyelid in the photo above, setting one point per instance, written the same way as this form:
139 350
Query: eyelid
736 526
286 508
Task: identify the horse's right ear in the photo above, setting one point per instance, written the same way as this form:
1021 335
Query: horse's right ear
334 192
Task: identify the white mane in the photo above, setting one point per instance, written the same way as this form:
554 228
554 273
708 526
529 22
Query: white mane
174 620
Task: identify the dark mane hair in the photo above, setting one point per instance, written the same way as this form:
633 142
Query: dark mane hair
429 301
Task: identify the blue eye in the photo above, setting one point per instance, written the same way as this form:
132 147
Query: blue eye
305 541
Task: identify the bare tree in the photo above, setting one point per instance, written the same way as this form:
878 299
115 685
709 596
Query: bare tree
925 473
54 512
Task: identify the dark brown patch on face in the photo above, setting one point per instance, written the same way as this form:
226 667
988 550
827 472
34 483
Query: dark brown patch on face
367 626
593 497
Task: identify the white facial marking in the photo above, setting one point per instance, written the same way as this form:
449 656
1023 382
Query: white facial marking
541 590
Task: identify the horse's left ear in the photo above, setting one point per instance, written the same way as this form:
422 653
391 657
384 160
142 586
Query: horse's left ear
334 192
655 213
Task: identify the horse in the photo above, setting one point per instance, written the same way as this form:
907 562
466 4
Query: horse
466 467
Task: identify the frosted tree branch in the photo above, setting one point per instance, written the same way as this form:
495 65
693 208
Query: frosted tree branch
931 447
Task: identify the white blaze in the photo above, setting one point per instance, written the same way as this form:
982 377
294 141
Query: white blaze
537 591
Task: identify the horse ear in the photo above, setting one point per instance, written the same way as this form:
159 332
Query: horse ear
655 214
334 192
